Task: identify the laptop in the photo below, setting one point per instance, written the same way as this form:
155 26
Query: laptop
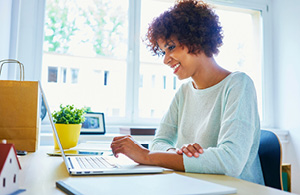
98 165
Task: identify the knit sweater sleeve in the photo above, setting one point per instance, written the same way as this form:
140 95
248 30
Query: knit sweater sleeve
166 136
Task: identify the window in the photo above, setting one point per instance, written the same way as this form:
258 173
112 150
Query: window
242 50
87 42
94 57
52 74
154 100
74 75
106 73
64 75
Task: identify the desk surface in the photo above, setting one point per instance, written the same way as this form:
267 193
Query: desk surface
40 172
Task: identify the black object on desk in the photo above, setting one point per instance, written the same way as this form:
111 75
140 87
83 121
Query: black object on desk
21 152
137 131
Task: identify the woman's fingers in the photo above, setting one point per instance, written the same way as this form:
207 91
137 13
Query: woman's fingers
187 152
118 143
191 150
198 148
179 151
128 146
121 138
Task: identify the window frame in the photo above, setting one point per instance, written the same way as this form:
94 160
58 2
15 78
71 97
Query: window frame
28 41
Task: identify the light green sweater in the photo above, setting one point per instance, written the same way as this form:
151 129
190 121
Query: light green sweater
224 120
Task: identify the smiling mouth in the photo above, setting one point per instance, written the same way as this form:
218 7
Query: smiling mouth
175 67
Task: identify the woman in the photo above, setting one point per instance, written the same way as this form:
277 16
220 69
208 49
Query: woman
212 125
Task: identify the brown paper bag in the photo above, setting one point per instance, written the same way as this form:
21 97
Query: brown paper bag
19 111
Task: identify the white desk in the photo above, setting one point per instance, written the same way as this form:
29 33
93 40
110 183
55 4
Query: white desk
40 172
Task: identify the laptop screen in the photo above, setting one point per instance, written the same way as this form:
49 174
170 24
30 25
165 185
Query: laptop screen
52 124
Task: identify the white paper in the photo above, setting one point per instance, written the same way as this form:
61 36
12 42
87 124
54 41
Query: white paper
158 184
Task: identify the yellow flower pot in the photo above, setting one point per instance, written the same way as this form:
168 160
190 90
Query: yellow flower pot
68 135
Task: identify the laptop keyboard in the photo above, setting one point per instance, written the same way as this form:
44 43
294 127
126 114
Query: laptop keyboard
94 162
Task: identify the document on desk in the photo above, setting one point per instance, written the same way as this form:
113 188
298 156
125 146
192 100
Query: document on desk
150 184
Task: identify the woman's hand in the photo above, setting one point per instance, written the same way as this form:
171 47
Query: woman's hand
191 150
129 147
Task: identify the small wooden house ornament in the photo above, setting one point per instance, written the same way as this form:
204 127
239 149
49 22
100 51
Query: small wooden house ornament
9 169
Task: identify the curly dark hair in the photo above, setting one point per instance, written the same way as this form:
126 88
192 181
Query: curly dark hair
192 22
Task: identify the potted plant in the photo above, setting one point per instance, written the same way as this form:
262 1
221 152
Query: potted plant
68 121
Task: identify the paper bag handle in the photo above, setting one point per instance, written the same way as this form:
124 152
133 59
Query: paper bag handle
7 61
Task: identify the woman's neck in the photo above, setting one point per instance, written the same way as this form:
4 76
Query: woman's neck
209 73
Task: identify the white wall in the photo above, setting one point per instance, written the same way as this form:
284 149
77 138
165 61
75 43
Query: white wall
5 21
286 51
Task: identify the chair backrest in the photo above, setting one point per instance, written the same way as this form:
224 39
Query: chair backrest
270 159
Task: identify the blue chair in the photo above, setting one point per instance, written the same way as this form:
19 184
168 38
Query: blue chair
270 159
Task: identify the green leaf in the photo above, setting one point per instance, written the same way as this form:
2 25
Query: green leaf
69 115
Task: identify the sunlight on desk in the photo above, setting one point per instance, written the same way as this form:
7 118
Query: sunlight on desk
40 172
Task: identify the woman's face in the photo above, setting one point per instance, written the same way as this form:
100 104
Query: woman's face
178 58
